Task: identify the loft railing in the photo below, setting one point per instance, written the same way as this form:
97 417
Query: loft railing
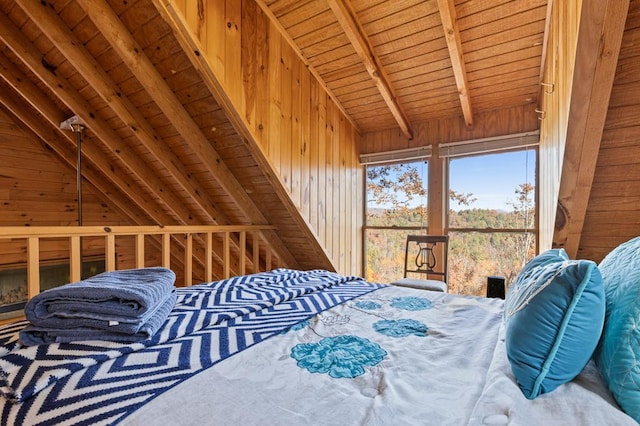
182 235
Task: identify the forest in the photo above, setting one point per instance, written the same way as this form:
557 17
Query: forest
482 242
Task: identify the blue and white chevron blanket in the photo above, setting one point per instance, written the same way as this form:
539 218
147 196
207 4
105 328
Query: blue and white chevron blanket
126 305
105 381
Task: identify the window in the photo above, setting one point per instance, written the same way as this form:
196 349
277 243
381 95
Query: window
396 205
491 217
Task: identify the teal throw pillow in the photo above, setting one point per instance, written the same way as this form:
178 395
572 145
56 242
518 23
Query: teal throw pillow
554 314
618 354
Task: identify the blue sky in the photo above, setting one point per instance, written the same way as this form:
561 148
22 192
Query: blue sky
492 179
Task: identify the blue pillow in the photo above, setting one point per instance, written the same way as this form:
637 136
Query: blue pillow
554 314
618 354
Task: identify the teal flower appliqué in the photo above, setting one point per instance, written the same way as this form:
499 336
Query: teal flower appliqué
340 356
369 305
401 328
411 303
298 326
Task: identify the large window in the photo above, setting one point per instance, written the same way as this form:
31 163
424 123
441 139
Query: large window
488 208
396 205
491 220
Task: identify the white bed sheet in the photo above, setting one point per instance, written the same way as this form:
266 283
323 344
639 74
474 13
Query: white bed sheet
456 374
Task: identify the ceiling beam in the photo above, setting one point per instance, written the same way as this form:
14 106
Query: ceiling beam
600 35
72 49
132 55
447 10
59 143
63 89
360 42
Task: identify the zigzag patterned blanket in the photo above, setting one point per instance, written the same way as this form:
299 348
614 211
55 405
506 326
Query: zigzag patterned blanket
102 382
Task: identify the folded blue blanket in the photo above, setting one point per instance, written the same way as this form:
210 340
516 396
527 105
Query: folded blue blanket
127 305
127 333
130 295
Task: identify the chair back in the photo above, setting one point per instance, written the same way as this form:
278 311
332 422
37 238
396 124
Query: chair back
421 255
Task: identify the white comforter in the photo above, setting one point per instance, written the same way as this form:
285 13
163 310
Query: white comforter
426 358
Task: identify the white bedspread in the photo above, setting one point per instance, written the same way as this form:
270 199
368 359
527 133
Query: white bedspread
454 374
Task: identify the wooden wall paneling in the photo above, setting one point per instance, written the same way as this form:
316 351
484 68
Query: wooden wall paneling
232 58
313 154
600 36
296 133
345 200
250 57
486 124
612 216
330 190
358 212
215 27
275 88
323 169
305 133
263 37
286 126
282 140
336 166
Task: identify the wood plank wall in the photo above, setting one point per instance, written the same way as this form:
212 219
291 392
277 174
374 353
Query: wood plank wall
486 124
37 189
307 141
612 215
561 53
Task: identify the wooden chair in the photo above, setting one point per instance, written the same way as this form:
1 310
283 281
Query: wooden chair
423 250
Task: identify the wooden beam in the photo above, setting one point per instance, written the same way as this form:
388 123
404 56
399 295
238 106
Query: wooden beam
600 35
60 142
62 88
360 42
134 58
447 10
72 49
110 188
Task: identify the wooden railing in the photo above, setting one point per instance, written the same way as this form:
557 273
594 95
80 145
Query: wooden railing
185 234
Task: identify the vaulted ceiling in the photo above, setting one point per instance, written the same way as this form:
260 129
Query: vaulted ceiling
160 148
396 63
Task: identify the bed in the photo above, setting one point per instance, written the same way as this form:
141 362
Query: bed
292 347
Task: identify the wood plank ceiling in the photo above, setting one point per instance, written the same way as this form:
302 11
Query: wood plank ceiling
395 63
161 150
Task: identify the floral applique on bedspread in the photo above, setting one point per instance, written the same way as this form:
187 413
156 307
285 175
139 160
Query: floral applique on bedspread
347 355
234 314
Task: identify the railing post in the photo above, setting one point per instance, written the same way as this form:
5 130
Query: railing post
208 270
188 259
33 266
75 262
139 250
242 261
256 252
225 255
110 253
166 250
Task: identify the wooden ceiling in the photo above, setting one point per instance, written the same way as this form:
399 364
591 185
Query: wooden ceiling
392 63
160 149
